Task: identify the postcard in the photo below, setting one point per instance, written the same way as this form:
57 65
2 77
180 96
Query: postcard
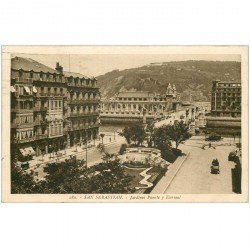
125 124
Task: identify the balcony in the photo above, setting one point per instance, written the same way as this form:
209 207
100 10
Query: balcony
22 111
83 101
40 122
40 109
23 80
83 126
83 114
22 140
41 136
22 125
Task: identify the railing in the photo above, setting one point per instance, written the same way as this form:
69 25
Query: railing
23 80
22 140
83 101
18 110
43 136
86 126
40 109
83 114
40 122
70 84
22 125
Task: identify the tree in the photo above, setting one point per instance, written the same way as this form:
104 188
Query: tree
126 132
22 182
110 178
135 133
72 177
161 138
178 132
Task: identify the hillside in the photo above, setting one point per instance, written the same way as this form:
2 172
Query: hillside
189 77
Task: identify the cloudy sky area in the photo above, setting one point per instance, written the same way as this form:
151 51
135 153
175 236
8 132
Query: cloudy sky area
98 64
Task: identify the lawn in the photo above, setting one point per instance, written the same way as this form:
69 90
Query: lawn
135 174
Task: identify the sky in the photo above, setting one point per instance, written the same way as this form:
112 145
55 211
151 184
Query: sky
99 64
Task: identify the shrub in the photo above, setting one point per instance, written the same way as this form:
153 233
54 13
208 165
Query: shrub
168 155
177 152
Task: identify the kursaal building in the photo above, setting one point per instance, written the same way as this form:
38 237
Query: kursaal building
51 109
129 106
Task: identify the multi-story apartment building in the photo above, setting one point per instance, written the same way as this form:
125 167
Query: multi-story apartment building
226 99
127 106
83 108
42 116
225 108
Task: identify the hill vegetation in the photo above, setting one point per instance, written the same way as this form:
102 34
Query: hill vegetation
190 78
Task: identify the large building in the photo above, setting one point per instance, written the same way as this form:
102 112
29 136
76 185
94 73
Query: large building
127 106
225 108
226 99
51 109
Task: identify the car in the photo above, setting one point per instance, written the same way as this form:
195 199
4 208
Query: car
232 156
213 137
23 165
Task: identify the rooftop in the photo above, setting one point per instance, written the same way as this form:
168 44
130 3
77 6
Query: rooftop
75 75
28 64
135 94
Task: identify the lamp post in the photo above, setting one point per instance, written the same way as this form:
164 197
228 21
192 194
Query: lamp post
50 150
86 148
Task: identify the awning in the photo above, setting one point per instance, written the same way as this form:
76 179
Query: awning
34 89
27 151
12 89
27 89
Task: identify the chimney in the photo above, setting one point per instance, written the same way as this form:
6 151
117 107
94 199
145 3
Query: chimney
59 68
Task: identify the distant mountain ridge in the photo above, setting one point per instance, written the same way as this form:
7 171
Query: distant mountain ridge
190 78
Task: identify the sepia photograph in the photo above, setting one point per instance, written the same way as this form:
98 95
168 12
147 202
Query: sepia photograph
125 124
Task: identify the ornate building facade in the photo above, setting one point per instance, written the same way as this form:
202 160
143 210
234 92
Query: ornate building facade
226 99
225 108
127 106
51 109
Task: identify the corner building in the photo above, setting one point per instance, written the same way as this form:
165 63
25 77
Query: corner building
51 109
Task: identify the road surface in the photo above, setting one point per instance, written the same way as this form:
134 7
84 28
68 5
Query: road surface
194 176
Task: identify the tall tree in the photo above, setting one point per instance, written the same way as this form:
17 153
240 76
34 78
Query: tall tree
135 133
161 138
178 132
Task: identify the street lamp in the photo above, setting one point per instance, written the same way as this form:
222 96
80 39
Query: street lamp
50 150
86 148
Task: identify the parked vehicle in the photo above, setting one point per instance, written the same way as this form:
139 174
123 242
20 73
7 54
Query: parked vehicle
214 137
23 165
232 156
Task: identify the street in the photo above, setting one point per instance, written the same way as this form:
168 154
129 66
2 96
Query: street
194 176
